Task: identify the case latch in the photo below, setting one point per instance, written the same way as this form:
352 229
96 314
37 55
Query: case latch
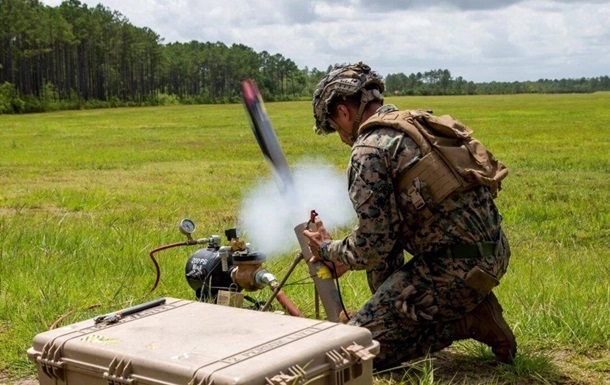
50 361
347 364
359 353
296 376
119 372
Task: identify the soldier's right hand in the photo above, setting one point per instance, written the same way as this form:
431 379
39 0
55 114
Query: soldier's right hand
317 236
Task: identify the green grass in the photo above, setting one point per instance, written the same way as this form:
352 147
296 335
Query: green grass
85 195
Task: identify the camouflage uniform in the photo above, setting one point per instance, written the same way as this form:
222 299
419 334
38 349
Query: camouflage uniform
442 248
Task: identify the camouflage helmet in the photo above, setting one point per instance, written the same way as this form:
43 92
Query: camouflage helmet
344 80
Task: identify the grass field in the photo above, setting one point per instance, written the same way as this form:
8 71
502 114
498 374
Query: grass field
85 195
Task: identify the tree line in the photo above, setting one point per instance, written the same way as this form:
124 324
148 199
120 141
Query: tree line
440 82
75 56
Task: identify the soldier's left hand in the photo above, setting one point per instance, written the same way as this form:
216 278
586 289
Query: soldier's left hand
417 305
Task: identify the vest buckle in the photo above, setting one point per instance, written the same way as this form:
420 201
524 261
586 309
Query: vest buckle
415 196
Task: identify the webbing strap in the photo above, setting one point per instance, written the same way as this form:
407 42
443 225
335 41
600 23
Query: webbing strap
482 249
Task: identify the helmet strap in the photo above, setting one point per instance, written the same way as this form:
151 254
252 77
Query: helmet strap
367 96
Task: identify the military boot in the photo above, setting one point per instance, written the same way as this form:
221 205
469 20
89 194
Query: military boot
486 324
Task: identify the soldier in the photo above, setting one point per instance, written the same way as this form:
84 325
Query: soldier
398 187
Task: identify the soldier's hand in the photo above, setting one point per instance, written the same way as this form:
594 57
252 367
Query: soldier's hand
317 235
417 305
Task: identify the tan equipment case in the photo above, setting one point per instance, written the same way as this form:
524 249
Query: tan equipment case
194 343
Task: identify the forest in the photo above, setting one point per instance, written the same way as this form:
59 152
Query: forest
74 56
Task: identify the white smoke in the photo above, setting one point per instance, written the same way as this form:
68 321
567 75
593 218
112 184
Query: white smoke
268 217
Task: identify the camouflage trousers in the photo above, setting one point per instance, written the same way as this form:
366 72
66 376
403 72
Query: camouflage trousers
441 274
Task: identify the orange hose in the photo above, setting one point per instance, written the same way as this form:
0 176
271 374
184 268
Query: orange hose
288 305
161 248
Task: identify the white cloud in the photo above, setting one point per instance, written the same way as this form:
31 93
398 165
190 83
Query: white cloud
480 40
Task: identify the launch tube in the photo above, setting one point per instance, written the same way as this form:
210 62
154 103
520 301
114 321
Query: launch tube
324 282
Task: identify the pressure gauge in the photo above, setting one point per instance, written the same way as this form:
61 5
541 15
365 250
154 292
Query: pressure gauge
187 227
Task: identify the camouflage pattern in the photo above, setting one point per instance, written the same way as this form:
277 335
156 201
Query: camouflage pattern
384 231
440 274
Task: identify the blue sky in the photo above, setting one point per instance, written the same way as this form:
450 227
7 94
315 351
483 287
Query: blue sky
479 40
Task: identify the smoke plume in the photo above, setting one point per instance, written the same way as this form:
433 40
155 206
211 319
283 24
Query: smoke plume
269 214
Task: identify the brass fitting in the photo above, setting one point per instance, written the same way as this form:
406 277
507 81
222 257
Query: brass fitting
244 275
249 273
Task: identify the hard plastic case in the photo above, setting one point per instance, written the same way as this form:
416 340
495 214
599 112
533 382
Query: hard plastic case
194 343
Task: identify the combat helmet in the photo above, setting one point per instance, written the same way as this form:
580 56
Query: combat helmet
344 80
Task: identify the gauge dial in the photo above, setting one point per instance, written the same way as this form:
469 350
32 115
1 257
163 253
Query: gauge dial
187 226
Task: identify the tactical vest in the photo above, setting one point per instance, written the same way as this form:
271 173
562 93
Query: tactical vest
452 160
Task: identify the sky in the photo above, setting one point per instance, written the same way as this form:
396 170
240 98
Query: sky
479 40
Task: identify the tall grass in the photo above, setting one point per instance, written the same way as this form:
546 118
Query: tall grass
85 195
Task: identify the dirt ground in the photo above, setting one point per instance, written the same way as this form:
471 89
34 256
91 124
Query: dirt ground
23 381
